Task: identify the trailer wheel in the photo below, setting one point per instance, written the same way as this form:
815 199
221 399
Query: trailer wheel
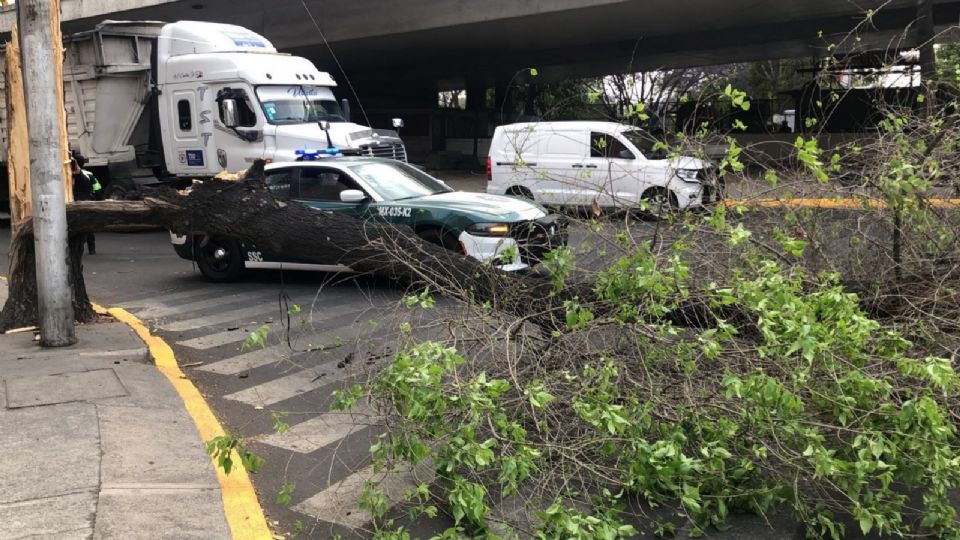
219 260
118 189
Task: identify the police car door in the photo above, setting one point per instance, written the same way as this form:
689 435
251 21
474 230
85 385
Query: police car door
282 184
321 188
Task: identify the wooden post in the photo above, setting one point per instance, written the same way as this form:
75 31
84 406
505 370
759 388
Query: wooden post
61 105
18 157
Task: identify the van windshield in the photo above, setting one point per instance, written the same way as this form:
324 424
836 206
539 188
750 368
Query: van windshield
299 104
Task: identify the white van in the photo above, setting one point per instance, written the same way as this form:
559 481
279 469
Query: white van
577 163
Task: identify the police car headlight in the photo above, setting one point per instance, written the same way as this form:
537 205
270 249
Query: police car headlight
688 175
489 229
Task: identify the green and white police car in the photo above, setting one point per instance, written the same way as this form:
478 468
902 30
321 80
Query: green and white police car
509 232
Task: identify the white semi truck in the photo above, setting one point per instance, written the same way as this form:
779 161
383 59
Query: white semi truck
149 102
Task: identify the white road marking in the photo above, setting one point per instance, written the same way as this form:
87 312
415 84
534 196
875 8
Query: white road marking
292 385
324 430
340 503
210 341
258 357
223 317
165 310
164 298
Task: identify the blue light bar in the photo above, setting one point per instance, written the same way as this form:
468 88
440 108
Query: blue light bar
312 154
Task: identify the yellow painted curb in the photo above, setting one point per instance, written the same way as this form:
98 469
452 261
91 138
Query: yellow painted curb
244 514
831 203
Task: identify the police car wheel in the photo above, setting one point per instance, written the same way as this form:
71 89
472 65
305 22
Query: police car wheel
219 260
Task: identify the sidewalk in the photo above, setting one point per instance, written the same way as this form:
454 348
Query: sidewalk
97 443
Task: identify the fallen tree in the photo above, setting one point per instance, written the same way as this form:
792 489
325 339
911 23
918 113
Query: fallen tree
244 209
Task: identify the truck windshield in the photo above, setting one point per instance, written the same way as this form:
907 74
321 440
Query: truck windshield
398 181
299 104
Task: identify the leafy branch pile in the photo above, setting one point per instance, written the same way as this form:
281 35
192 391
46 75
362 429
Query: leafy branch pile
656 400
807 405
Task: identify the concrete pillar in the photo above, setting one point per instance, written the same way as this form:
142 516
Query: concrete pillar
928 61
477 105
505 100
54 294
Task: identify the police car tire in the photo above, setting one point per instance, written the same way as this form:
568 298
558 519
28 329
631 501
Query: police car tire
234 266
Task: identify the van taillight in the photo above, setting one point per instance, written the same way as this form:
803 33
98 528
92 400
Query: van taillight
489 170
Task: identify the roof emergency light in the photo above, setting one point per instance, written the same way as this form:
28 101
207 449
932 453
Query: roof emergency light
313 154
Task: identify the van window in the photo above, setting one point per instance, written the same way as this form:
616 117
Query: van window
607 146
183 114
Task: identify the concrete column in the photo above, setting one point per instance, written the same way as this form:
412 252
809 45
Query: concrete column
928 60
54 295
477 105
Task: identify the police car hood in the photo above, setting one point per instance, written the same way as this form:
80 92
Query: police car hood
496 207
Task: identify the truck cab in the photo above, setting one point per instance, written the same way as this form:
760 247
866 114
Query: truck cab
226 97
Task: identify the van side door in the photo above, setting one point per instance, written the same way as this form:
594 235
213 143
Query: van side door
615 170
561 159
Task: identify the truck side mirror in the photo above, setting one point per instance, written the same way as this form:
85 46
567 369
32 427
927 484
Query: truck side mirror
345 108
397 123
324 124
229 107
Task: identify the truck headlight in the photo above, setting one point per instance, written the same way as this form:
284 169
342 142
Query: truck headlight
688 175
489 229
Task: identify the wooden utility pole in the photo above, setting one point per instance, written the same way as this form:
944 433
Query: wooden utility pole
41 52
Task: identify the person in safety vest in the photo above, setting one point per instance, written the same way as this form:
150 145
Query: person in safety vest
86 187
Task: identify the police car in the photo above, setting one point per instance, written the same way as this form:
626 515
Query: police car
509 232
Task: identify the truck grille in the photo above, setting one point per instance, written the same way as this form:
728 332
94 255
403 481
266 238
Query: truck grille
389 151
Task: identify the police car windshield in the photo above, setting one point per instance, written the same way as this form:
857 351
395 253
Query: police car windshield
398 181
299 104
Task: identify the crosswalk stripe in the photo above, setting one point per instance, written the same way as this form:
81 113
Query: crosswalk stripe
263 356
164 310
292 385
210 341
340 502
324 429
220 318
164 298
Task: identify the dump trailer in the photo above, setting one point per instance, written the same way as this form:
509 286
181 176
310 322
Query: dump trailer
150 102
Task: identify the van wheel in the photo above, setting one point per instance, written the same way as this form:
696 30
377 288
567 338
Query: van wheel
444 239
660 202
521 192
219 260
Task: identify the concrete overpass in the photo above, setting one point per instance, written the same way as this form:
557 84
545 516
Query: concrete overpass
399 53
383 42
